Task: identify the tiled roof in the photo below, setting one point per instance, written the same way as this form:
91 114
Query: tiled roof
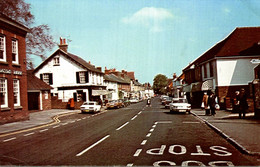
73 57
114 78
35 84
131 75
239 40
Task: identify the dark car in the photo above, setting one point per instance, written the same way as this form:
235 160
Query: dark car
167 102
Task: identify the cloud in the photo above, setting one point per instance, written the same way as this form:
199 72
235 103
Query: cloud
152 18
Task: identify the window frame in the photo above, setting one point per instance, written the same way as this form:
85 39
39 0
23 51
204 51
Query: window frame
15 52
3 39
5 92
17 90
56 61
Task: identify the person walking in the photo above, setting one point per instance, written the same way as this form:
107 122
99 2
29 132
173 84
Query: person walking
205 103
243 103
237 102
212 103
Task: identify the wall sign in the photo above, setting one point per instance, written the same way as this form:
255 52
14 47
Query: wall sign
8 71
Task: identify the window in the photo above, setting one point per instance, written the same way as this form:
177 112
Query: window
211 68
15 51
47 78
205 71
82 77
3 92
16 90
56 61
2 48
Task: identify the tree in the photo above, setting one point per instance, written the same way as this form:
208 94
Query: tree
159 84
38 40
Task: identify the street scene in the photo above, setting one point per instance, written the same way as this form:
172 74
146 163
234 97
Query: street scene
137 135
129 83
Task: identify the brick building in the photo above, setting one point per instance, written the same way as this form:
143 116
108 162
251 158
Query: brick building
13 78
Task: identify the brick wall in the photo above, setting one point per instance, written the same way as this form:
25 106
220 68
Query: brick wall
58 104
46 102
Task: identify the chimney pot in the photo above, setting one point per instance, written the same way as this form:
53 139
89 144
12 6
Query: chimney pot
63 46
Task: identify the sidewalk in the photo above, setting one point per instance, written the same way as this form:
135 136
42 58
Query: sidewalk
244 134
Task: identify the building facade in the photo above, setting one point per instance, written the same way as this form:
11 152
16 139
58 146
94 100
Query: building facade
13 78
71 76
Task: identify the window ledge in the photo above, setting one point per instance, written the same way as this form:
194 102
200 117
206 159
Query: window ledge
17 65
18 107
5 109
4 62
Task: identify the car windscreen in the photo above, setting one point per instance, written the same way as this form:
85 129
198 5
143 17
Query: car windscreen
89 103
180 101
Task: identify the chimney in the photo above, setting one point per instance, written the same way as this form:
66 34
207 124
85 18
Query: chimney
63 46
174 75
99 68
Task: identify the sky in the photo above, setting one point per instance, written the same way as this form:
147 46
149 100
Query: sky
148 37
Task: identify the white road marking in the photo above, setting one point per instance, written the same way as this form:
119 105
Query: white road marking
143 142
129 165
153 126
138 151
187 122
9 139
28 134
56 126
65 123
148 135
139 112
122 126
84 118
78 119
163 122
151 130
44 130
93 145
134 117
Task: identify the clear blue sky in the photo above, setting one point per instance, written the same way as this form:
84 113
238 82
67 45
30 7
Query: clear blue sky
149 37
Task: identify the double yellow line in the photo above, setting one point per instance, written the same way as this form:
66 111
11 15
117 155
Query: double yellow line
56 121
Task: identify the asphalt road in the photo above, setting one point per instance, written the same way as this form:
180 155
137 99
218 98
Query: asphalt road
133 136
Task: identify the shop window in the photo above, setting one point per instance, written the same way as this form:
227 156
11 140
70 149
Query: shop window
3 92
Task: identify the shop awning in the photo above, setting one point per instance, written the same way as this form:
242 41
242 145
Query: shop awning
196 87
207 85
186 88
100 92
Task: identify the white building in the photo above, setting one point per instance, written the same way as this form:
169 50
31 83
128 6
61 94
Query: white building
71 76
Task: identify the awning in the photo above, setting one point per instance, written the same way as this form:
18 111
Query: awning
186 88
207 85
196 87
100 92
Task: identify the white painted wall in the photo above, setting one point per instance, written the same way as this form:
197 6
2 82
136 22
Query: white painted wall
233 72
114 86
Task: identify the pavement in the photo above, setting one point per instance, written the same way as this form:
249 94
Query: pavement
244 134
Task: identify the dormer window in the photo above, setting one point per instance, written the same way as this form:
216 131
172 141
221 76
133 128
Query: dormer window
56 61
15 51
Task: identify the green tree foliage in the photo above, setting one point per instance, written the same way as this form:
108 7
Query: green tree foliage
39 40
159 84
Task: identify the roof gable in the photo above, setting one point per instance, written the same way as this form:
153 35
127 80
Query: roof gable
79 61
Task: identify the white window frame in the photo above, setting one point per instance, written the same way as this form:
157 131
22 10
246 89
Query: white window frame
45 78
16 90
56 61
82 77
3 89
3 47
15 51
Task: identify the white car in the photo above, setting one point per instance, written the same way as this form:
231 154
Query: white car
134 100
180 105
90 106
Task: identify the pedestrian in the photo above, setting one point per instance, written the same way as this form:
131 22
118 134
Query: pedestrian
205 103
237 102
148 103
243 103
212 103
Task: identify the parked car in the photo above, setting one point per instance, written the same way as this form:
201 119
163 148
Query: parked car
167 102
112 104
134 100
121 103
90 106
127 102
180 105
164 99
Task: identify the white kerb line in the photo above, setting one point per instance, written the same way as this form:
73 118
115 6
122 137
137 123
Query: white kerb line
9 139
134 117
93 145
122 126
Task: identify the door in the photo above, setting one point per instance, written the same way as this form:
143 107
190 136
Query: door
33 100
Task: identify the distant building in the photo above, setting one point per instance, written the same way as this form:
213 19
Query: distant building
13 77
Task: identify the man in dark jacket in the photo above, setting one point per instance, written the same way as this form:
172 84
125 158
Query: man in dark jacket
212 103
243 103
